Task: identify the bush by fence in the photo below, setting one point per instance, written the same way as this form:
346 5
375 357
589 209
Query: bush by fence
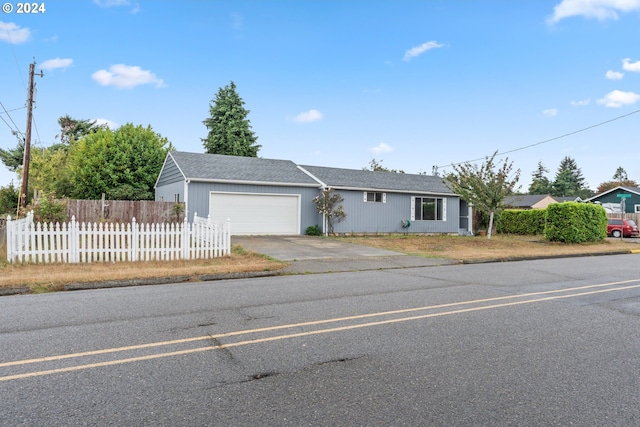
572 222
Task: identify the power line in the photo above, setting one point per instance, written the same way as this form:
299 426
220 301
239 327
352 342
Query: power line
546 140
9 115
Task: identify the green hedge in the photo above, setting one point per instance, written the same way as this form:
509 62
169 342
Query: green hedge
524 222
573 222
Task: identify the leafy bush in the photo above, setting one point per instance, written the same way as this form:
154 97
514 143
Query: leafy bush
313 230
572 222
9 200
49 210
524 222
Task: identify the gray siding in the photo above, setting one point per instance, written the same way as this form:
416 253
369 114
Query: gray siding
199 198
167 192
170 173
387 217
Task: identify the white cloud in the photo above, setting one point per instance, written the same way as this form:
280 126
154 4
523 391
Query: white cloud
614 75
135 6
419 50
598 9
618 98
308 116
237 21
52 64
126 76
381 148
111 3
106 122
581 103
627 65
550 112
12 33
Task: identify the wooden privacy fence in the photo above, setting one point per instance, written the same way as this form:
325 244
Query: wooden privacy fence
75 242
145 211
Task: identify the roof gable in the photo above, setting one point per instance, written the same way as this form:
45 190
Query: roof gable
634 190
217 167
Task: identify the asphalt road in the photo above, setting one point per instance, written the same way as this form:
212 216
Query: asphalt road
546 342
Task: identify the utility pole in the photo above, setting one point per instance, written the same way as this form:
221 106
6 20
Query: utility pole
27 139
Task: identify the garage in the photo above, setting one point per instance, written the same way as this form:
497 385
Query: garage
257 213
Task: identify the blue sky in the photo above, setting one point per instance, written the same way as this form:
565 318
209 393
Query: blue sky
415 84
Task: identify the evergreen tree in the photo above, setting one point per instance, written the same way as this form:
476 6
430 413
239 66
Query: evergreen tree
540 183
229 129
71 130
620 175
13 158
569 181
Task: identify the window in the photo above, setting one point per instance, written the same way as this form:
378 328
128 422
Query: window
375 197
636 208
428 209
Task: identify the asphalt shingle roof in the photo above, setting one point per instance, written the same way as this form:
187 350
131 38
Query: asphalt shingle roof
217 167
523 200
370 180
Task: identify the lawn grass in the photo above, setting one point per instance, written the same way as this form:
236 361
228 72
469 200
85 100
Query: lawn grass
502 247
51 277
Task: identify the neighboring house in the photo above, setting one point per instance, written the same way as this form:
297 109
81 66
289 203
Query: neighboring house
267 196
611 200
528 201
568 199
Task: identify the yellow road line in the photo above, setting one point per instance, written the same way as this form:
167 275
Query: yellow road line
317 332
302 324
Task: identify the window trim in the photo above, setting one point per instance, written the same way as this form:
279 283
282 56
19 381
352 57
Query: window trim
383 197
435 198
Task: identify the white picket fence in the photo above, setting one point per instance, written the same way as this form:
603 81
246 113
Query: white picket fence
75 242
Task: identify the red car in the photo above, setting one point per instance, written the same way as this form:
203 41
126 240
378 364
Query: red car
627 227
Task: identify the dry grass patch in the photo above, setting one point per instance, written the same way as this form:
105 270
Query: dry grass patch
44 277
480 248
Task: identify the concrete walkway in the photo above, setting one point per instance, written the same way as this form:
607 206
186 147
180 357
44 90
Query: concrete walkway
309 254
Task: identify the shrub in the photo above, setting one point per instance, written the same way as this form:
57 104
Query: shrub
313 230
572 222
49 210
524 222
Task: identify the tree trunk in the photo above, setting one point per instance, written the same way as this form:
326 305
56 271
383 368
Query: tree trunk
490 225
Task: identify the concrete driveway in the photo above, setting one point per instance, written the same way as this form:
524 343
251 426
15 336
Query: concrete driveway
311 254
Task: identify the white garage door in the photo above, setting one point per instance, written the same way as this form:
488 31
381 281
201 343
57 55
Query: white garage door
257 213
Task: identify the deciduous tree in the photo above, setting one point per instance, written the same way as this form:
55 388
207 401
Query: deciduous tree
376 166
229 129
123 163
485 186
329 204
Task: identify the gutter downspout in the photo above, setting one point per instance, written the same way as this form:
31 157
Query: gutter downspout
186 198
